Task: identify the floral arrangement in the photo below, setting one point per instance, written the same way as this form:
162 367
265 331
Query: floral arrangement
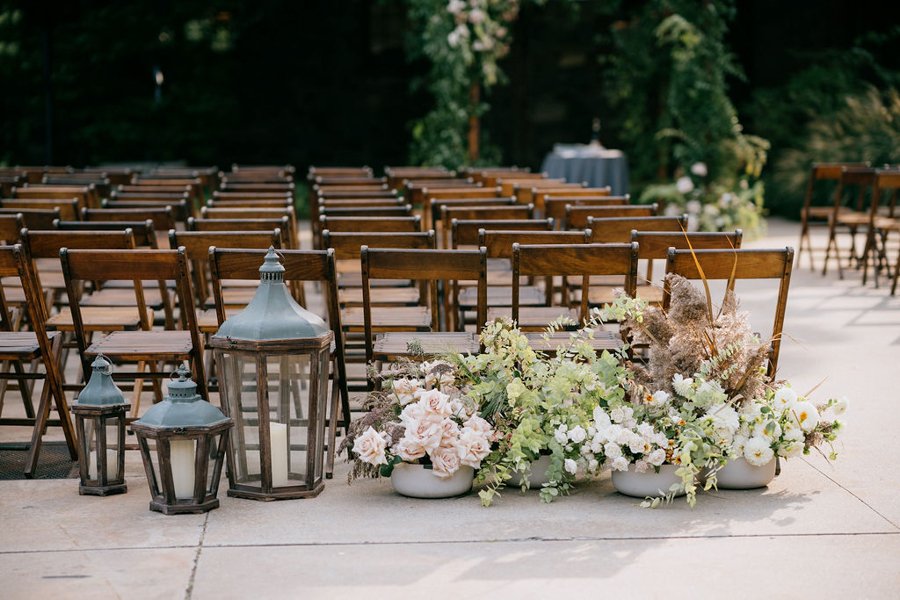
539 405
712 205
420 418
702 397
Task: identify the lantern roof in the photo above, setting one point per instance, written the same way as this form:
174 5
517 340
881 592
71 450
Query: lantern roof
101 390
273 314
183 407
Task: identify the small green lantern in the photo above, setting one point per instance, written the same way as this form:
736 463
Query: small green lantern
190 436
100 423
273 360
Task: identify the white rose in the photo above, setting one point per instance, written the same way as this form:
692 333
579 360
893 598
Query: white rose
593 465
699 169
684 185
370 446
570 465
617 414
455 6
427 433
409 448
612 451
637 445
477 16
577 434
641 466
445 462
657 457
619 464
601 419
449 433
659 398
478 424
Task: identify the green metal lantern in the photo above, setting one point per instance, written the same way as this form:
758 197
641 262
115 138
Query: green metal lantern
273 368
189 435
100 423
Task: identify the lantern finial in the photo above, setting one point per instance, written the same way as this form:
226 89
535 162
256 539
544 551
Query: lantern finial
271 271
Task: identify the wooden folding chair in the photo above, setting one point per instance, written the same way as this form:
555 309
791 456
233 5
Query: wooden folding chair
488 213
577 216
570 260
412 331
433 210
86 195
731 265
654 245
144 346
67 207
21 347
847 218
555 206
884 222
371 224
541 194
813 212
34 218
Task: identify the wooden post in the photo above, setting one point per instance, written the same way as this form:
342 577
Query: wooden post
474 122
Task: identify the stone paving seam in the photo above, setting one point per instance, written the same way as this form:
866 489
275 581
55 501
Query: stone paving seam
864 503
190 587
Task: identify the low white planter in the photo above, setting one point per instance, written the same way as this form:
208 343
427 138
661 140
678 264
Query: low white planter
416 481
738 474
649 483
537 477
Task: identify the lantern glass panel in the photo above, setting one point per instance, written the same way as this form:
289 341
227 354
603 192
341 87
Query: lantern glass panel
239 389
289 387
111 424
182 453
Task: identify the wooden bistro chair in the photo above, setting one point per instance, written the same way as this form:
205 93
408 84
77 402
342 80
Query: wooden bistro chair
395 332
577 216
815 212
533 297
555 206
850 219
145 346
654 245
731 265
300 266
887 183
570 260
23 348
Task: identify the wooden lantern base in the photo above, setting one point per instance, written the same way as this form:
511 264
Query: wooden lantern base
102 490
184 509
279 495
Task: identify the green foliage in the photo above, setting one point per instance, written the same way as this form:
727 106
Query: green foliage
668 80
843 107
463 42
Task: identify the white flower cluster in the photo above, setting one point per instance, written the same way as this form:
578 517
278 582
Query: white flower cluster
623 441
435 425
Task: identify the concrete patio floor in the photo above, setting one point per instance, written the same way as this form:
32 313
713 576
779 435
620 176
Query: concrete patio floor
819 530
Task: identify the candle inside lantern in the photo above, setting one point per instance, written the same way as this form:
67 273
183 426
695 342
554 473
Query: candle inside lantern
112 463
278 445
181 455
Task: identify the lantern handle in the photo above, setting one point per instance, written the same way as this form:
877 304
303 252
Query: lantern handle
182 373
105 370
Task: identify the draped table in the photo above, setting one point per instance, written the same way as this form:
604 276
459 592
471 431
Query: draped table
593 163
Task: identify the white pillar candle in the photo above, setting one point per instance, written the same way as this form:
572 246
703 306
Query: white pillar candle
278 446
181 457
112 464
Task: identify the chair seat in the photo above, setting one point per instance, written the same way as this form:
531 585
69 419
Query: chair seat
50 280
853 218
502 296
602 340
124 297
823 212
21 345
393 345
144 345
887 224
388 318
533 317
100 318
385 296
651 293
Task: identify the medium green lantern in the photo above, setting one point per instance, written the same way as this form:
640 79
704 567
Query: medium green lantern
189 435
273 360
100 423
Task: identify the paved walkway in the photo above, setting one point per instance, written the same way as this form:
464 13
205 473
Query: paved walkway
820 530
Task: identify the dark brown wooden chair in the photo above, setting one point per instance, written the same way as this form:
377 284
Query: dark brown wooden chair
411 331
86 195
34 218
144 346
371 224
849 215
577 216
474 213
732 265
654 245
24 347
67 207
555 206
886 221
433 210
541 194
570 260
617 230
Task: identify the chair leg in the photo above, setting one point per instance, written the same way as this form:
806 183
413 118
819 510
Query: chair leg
40 426
896 275
332 429
137 388
24 389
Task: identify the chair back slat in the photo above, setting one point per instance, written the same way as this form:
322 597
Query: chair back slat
618 229
465 232
577 216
